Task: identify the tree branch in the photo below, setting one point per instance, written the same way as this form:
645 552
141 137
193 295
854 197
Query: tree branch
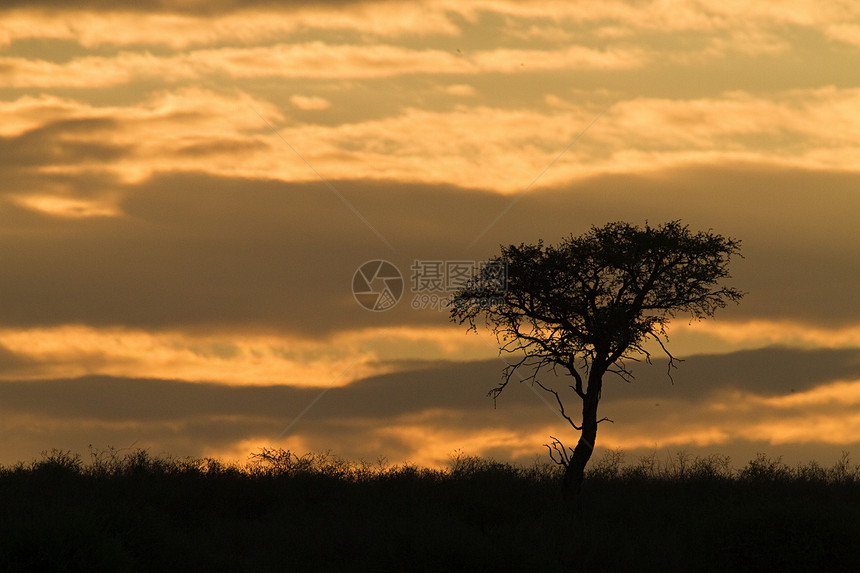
556 448
560 405
672 359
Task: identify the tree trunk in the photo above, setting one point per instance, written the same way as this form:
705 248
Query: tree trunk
575 470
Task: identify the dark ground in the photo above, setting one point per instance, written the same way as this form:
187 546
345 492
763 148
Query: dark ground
134 512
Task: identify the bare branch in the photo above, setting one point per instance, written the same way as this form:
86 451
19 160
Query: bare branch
560 405
672 359
556 448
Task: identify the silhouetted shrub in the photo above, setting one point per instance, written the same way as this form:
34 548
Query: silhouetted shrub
765 469
58 462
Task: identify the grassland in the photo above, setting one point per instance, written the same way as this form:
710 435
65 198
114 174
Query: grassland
131 511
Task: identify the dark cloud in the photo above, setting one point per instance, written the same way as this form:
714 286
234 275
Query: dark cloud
144 400
190 418
12 362
197 251
220 147
55 144
767 371
450 386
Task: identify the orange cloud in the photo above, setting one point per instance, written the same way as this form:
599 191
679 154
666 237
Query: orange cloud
845 393
756 333
67 207
308 60
91 71
310 103
463 90
526 20
502 149
572 58
94 29
231 358
847 33
688 15
819 428
691 436
234 359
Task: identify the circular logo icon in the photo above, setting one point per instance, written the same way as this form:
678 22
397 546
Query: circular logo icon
377 285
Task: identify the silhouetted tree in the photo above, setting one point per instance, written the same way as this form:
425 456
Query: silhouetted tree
590 303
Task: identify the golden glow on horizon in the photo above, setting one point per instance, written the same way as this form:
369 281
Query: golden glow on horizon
688 437
821 428
435 449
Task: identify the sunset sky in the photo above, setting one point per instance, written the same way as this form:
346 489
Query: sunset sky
188 188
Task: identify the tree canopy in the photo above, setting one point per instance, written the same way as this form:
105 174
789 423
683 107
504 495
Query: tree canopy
592 301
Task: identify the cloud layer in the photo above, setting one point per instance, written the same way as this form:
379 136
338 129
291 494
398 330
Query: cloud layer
189 187
198 251
750 397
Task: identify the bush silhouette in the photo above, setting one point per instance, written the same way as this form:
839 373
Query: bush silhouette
131 511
